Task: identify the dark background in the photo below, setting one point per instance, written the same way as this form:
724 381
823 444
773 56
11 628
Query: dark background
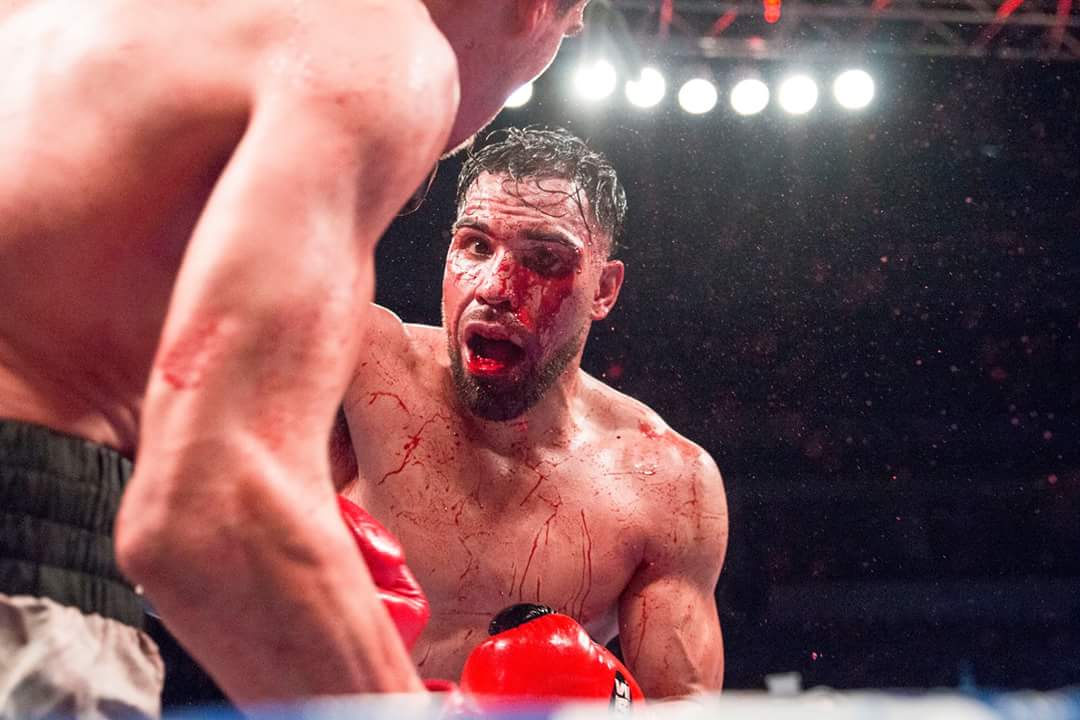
871 321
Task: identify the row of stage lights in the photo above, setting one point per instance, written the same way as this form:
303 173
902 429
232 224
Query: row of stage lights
796 94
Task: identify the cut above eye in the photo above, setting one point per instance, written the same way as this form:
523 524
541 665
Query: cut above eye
548 263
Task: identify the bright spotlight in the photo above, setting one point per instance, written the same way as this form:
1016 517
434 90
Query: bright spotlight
853 89
648 90
520 96
798 94
697 96
749 97
596 80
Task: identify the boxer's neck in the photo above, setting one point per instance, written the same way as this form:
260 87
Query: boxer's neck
548 423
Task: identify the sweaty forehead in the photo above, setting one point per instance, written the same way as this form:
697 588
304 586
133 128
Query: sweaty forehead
549 201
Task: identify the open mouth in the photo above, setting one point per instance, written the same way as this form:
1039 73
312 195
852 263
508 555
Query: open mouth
490 355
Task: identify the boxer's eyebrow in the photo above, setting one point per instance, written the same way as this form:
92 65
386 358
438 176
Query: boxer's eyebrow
532 234
550 236
472 223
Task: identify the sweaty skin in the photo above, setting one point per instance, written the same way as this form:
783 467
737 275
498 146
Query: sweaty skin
188 214
191 197
587 502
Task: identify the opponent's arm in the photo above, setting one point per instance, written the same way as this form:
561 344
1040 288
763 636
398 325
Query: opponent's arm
668 624
230 522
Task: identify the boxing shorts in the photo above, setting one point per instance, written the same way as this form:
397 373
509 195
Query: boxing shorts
71 639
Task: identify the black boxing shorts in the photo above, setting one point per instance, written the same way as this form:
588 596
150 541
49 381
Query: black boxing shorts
71 639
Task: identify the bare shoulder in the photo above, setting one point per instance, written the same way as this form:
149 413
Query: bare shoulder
649 434
387 340
390 336
681 480
375 84
380 64
387 332
429 340
395 354
199 51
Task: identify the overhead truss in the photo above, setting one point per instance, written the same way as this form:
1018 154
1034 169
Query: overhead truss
1039 30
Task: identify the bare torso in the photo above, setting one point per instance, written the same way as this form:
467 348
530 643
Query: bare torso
183 158
117 117
562 518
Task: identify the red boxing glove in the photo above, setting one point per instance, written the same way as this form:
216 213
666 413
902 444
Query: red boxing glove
397 587
537 654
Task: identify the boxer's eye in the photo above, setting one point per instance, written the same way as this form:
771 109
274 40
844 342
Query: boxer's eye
546 262
476 246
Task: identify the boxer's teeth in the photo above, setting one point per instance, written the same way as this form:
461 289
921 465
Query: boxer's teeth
502 350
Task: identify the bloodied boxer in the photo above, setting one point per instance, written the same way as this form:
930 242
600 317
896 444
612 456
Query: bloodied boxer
191 196
509 474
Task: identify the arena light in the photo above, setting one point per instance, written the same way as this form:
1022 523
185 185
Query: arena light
853 89
595 80
648 90
697 96
798 94
772 11
520 96
749 96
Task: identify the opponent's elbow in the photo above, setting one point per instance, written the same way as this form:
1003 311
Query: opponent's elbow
174 525
149 550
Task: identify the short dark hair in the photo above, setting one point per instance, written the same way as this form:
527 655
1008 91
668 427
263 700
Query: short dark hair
540 152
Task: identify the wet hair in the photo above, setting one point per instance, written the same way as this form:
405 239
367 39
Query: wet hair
540 153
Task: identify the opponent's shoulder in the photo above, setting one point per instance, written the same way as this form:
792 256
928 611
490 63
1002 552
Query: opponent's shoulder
375 63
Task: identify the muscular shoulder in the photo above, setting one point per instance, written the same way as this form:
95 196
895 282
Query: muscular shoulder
646 433
334 55
395 354
387 340
378 64
680 480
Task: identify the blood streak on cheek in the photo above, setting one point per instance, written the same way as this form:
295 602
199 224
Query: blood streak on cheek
552 291
526 317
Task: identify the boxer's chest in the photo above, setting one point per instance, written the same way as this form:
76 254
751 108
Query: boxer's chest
563 528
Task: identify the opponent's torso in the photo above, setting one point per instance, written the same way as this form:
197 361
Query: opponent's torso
116 118
560 520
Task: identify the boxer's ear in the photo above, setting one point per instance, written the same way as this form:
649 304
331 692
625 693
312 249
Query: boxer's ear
530 14
607 290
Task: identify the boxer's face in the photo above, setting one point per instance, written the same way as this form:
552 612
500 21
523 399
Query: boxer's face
524 278
519 40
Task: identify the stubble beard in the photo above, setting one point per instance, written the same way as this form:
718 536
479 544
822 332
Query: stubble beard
501 401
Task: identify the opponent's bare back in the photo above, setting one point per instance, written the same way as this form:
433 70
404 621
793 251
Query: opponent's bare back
189 209
116 120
